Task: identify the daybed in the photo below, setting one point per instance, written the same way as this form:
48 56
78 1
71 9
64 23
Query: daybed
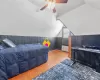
21 58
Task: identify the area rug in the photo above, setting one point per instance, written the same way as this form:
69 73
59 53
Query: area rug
68 70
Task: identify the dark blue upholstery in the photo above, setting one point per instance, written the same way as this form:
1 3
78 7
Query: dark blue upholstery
3 75
21 58
12 67
1 47
2 63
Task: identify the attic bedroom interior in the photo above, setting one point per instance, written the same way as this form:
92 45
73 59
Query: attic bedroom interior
49 40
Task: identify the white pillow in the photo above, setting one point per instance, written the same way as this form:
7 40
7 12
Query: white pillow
9 43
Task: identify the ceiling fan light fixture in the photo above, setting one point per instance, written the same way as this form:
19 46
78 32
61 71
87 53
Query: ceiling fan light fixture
51 5
51 1
57 1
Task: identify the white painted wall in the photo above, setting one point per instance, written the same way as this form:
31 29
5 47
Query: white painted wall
19 17
65 33
83 20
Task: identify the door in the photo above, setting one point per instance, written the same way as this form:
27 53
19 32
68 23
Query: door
65 35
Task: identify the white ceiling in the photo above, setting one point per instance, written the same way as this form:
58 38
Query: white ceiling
61 8
72 4
37 2
84 20
19 17
93 3
80 17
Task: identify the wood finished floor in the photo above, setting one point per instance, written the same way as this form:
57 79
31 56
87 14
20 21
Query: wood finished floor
54 57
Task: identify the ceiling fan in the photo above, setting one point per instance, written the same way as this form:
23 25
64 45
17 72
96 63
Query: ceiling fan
51 4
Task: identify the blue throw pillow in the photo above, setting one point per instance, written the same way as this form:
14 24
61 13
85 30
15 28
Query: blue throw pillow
9 43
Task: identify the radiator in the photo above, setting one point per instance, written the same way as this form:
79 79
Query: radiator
64 48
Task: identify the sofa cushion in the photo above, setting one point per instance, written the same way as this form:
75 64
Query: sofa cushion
2 63
13 70
32 53
3 75
32 63
41 59
10 58
11 62
23 66
22 55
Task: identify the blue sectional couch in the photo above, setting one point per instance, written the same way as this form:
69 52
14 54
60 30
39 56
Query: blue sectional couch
21 58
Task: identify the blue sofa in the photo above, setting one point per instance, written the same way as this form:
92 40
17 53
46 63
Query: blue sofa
21 58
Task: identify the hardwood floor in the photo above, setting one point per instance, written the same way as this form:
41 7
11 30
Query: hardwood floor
54 57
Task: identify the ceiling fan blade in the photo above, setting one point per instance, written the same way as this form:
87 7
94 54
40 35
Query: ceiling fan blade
44 7
61 1
54 10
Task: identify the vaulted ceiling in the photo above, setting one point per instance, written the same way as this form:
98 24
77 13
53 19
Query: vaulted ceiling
80 16
61 8
84 20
